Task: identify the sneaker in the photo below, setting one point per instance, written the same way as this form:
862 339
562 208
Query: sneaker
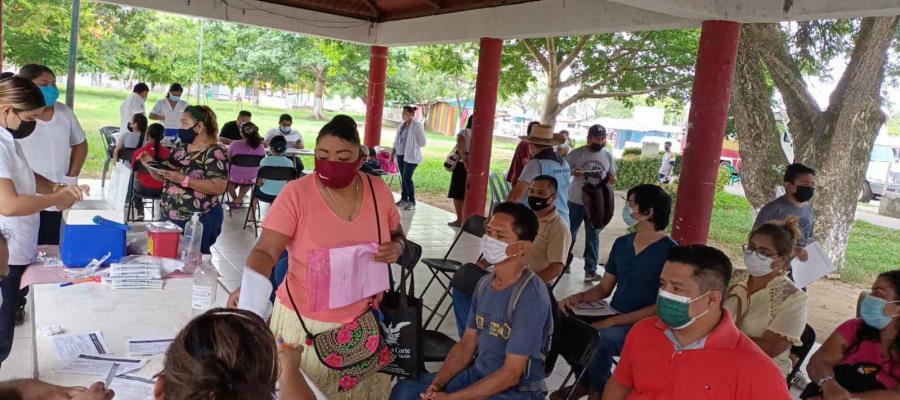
579 392
401 203
454 224
410 206
20 316
591 277
800 380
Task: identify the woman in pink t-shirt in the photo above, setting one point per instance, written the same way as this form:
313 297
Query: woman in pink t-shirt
861 359
328 211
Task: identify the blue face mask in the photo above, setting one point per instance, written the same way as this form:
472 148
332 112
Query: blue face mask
627 217
174 98
51 94
872 312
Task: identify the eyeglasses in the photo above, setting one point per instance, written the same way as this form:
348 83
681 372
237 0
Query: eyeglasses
750 249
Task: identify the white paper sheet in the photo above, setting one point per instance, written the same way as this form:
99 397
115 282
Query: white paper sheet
148 347
816 266
87 364
71 345
598 308
129 387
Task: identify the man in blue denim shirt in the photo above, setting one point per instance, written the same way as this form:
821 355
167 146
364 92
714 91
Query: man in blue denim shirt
509 324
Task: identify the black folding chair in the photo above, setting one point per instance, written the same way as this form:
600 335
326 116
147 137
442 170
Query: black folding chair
808 338
577 342
144 193
239 160
442 268
271 173
107 133
563 272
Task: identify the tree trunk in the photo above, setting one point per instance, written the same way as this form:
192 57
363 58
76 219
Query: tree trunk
551 108
319 100
837 142
757 131
256 92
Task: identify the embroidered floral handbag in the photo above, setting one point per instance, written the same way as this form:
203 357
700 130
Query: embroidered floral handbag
357 350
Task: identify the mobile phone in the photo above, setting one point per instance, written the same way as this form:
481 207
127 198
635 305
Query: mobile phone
162 166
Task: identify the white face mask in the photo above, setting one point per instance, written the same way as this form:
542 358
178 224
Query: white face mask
494 251
285 129
757 264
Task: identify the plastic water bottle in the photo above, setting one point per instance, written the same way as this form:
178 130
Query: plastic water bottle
203 295
190 243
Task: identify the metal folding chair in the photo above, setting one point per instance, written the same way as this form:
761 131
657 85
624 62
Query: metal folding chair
442 269
273 173
577 342
563 272
145 194
240 160
107 133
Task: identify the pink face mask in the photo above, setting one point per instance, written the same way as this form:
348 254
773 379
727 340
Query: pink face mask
342 276
337 174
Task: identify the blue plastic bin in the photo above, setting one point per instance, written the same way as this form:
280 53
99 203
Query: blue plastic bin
79 244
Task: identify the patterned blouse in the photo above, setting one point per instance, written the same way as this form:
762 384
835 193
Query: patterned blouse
179 203
780 307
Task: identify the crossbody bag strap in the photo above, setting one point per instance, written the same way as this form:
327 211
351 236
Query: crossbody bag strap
309 335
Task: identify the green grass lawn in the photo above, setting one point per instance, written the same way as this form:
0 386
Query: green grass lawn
871 250
97 107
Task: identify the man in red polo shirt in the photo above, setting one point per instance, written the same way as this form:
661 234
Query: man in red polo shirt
692 350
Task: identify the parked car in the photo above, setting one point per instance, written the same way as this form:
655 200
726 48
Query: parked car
883 173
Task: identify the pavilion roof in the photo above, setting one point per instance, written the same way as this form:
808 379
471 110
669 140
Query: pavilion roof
412 22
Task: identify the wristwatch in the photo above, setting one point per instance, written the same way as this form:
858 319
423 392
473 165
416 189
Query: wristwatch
186 181
823 380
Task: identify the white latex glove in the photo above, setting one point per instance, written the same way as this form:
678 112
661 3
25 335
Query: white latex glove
255 292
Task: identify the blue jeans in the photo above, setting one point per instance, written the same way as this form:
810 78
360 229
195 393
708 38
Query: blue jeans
612 340
9 289
407 188
212 227
462 304
410 389
591 236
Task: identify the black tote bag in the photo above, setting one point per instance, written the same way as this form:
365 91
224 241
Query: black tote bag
403 318
599 203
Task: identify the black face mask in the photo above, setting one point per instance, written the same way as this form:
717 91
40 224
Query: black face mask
538 203
804 193
595 147
25 129
187 135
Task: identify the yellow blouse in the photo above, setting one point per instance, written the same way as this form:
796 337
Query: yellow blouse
780 307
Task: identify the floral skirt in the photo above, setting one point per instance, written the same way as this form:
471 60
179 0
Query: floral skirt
286 324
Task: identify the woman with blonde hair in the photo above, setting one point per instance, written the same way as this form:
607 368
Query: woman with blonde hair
765 304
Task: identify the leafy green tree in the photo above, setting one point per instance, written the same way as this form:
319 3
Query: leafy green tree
835 140
658 64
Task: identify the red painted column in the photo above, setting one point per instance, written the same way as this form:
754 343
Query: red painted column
375 95
706 130
489 58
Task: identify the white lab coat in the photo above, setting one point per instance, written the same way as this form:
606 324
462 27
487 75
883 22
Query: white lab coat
133 104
